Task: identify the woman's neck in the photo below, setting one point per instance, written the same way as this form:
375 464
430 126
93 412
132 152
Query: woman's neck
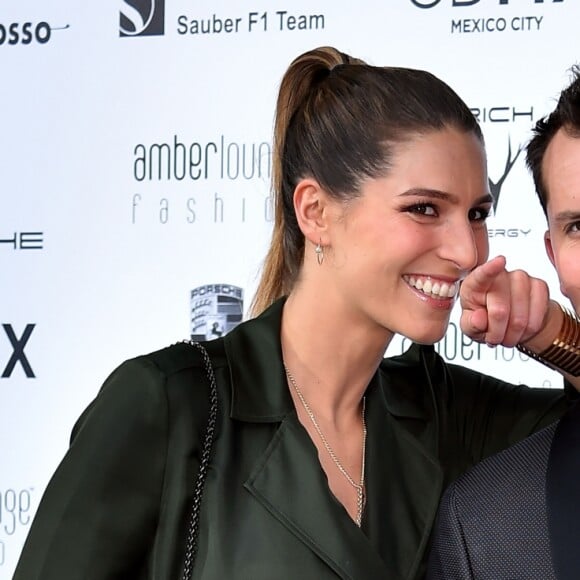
331 352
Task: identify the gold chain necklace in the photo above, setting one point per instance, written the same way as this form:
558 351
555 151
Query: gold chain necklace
359 487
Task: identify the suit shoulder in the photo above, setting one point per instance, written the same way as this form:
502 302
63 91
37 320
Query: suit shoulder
491 516
523 464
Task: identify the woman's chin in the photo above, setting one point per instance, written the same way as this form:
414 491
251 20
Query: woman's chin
428 336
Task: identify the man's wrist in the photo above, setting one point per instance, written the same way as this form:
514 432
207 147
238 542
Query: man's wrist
563 351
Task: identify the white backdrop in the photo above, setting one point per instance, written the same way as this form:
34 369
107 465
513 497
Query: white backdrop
135 168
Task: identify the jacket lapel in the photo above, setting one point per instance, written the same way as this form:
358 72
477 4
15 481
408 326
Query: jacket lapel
563 507
404 479
292 486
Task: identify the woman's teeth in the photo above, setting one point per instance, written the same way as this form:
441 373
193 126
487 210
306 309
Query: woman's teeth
432 288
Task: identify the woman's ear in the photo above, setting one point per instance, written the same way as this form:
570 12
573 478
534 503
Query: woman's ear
311 206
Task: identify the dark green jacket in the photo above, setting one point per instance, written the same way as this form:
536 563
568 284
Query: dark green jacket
118 505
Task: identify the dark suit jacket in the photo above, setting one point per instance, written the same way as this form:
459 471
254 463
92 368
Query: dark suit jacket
118 504
516 515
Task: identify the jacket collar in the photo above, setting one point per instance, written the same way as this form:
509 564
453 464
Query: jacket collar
407 382
259 388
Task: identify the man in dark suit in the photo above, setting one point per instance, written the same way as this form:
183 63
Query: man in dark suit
516 515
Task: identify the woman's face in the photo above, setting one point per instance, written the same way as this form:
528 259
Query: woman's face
398 252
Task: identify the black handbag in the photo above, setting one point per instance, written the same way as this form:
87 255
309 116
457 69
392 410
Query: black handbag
207 443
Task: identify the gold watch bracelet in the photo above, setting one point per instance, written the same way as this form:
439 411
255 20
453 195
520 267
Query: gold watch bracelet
564 353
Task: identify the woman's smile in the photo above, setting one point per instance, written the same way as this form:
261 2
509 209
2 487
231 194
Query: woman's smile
433 286
439 293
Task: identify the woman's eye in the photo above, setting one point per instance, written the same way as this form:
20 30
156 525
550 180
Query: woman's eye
423 209
479 214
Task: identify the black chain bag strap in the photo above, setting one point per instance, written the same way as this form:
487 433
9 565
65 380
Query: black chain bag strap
207 443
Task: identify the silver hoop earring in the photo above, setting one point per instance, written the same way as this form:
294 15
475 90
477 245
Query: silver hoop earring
319 253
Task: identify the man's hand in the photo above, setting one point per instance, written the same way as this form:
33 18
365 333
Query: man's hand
501 307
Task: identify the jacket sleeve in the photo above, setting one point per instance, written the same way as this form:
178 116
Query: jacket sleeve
488 415
99 512
449 558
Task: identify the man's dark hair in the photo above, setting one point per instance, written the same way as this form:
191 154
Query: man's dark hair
565 116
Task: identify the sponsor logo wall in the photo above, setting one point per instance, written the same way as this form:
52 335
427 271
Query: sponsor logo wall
136 159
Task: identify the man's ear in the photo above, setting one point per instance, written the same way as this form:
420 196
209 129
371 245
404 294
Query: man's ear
549 248
311 207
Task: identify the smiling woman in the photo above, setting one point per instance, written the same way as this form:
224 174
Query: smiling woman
321 459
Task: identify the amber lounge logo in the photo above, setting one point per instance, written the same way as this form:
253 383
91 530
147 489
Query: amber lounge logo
142 18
